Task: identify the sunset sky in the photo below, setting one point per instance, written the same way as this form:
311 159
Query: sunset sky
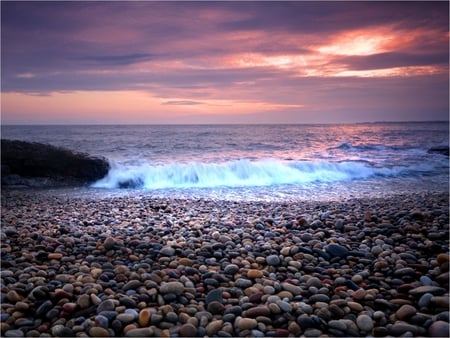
223 62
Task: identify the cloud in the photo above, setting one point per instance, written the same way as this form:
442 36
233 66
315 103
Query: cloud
119 60
25 75
181 103
198 55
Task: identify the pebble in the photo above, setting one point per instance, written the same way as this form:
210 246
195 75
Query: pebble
247 324
439 329
130 267
175 288
140 332
97 331
106 305
424 300
144 317
273 260
405 311
231 269
109 242
188 330
336 250
434 290
294 289
253 273
365 323
426 281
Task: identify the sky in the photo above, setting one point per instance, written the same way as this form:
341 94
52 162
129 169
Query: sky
152 62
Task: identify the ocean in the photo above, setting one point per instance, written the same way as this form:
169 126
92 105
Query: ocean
258 162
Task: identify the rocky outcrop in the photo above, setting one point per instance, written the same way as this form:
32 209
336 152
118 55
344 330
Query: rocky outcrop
43 165
443 150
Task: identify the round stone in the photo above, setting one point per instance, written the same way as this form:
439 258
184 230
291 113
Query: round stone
215 307
439 329
106 305
273 260
213 327
140 332
188 330
109 242
97 331
405 311
247 324
314 281
254 273
13 296
101 321
424 301
425 280
144 317
294 289
231 269
243 283
365 323
214 296
176 288
167 251
337 250
434 290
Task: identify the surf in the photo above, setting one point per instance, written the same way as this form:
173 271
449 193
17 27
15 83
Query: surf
241 173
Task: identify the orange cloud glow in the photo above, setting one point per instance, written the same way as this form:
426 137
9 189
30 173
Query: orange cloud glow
123 105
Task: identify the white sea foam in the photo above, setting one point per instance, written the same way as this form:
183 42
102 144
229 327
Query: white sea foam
242 173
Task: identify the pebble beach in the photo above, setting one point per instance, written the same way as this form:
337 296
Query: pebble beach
137 266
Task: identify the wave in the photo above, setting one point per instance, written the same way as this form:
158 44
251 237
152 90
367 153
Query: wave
242 173
348 146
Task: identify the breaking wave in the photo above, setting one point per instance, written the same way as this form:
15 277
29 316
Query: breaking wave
244 173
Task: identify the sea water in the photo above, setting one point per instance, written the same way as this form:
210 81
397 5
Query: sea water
258 162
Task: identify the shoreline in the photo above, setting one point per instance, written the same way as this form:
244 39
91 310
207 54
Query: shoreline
143 266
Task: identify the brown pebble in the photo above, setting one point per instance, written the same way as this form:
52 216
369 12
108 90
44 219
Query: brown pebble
188 330
215 307
109 242
97 331
254 273
439 329
213 327
359 294
355 306
13 296
84 301
257 311
247 323
22 306
405 311
144 317
438 301
55 255
140 332
442 258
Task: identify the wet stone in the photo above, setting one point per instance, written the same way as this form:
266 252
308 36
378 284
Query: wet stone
176 288
188 330
273 260
247 323
336 250
405 311
439 329
434 290
214 296
424 300
365 323
106 305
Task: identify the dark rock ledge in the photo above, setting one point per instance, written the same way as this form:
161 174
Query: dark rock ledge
443 150
37 165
